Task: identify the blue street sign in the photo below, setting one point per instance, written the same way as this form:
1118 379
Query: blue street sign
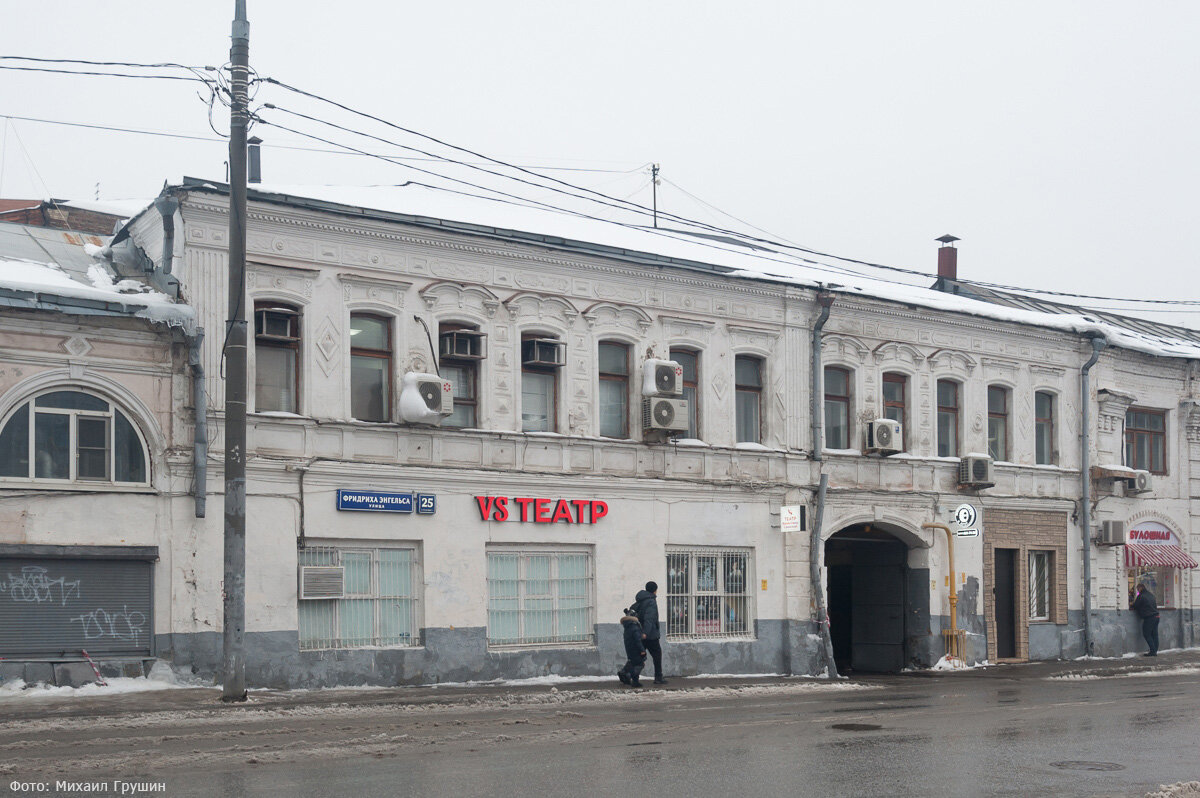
374 501
426 504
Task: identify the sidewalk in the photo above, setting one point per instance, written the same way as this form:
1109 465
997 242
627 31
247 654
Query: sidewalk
95 703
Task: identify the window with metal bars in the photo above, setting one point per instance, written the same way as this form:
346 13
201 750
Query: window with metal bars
540 597
380 604
1041 569
709 593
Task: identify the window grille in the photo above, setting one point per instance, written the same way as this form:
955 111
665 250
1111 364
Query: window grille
381 604
538 597
1039 585
709 593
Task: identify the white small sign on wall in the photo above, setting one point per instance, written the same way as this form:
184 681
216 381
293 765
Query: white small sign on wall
791 518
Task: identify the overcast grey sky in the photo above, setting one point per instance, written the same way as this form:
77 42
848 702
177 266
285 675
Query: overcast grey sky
1057 139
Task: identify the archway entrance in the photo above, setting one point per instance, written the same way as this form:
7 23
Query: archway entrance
867 571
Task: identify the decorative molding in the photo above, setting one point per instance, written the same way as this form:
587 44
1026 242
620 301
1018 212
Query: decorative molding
445 297
896 352
953 361
1190 410
328 346
77 346
272 279
845 348
1114 404
608 316
531 306
357 289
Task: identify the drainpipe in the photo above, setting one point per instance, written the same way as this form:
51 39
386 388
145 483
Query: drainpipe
825 300
166 205
200 430
1098 343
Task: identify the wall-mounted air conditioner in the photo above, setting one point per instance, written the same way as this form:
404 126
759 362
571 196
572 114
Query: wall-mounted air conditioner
322 581
277 324
1112 533
463 344
425 398
976 472
885 436
664 414
662 378
1140 482
543 352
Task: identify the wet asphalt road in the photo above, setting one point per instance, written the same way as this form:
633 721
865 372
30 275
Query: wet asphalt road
1004 731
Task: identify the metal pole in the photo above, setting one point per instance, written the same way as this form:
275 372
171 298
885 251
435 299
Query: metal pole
235 370
654 190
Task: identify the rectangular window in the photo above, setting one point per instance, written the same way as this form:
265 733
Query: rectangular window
837 408
538 597
690 362
380 604
614 389
947 418
540 359
370 368
276 358
747 376
997 422
709 593
461 350
1160 581
1043 411
1146 440
1041 570
895 402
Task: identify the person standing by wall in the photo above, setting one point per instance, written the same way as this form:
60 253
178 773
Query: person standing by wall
1146 608
645 604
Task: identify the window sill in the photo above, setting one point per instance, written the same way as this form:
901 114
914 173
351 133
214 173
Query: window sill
514 647
11 483
747 638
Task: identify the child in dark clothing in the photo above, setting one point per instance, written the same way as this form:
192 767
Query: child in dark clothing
635 650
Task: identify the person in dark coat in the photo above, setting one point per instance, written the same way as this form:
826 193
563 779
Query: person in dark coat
1146 608
635 650
645 605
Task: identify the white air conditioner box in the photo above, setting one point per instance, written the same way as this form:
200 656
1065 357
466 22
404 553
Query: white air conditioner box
885 436
975 471
1140 482
322 581
1112 533
664 414
425 398
662 378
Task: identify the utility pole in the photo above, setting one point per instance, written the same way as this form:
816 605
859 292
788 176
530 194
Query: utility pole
235 369
654 189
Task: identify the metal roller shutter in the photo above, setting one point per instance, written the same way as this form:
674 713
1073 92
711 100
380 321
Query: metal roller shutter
52 607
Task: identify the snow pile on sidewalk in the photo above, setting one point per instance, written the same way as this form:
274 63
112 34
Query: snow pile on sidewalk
1182 670
1181 789
161 677
948 663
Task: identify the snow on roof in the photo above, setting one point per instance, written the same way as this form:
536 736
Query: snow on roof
125 208
48 280
626 234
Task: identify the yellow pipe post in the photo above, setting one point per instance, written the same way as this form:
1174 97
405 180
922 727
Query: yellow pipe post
953 637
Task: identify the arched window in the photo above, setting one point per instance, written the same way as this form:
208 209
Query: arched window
72 436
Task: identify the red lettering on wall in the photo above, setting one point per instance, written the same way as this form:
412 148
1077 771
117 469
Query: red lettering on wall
541 511
501 508
562 512
580 504
485 506
599 510
523 503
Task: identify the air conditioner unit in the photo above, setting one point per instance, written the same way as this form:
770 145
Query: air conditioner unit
662 378
322 581
1140 482
277 324
543 352
1112 533
463 344
425 398
665 414
885 436
976 472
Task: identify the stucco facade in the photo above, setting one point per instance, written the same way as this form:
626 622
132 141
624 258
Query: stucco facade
673 506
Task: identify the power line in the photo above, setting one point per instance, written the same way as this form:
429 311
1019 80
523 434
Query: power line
102 74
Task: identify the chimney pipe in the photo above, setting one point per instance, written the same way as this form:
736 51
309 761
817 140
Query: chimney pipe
252 150
947 258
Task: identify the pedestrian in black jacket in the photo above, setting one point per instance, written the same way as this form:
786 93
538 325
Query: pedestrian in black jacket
645 606
1146 608
634 650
